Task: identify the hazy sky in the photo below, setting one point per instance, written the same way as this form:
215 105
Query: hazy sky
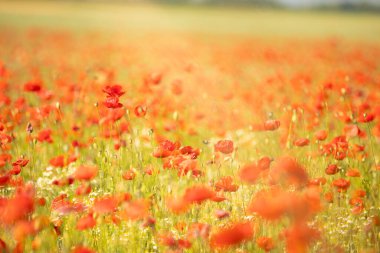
315 2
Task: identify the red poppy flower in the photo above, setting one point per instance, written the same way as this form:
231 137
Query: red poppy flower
32 86
86 222
198 194
289 171
224 146
265 243
81 249
112 102
353 173
301 142
58 161
140 111
105 205
85 172
233 234
271 125
113 90
226 184
341 184
250 173
321 135
332 169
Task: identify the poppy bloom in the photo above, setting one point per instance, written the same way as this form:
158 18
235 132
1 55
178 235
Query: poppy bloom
112 102
177 204
359 193
17 207
320 135
45 136
226 184
318 181
22 229
188 150
271 125
140 111
299 237
332 169
301 142
265 243
86 222
81 249
164 149
4 179
85 172
154 78
250 173
3 246
357 205
167 239
198 230
21 162
113 90
105 205
129 174
224 146
329 197
83 189
341 184
198 194
136 210
353 173
32 86
58 161
62 205
233 234
366 117
352 131
288 170
271 205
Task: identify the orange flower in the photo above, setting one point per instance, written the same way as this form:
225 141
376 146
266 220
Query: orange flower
198 194
320 135
81 249
287 170
353 173
86 222
271 125
299 237
129 174
341 184
177 205
265 243
136 210
225 184
18 206
250 173
105 205
233 234
224 146
85 172
270 205
332 169
58 161
301 142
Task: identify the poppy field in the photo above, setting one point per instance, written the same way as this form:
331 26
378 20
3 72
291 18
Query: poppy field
186 141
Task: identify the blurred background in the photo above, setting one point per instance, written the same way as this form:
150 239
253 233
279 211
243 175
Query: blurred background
354 19
321 4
